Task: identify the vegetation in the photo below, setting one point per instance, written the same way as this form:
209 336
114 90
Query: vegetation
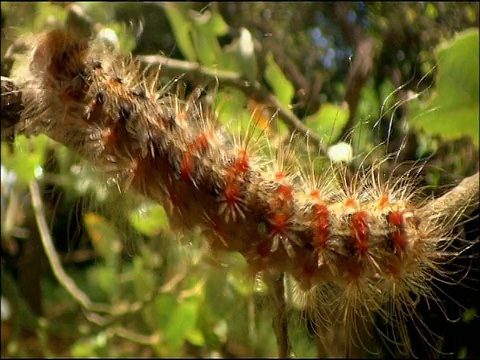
364 73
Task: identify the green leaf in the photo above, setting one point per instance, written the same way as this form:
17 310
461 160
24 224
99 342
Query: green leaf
104 236
44 14
126 38
219 26
205 39
105 278
240 56
282 88
149 219
231 106
27 159
452 110
469 315
157 314
143 281
182 26
93 346
182 322
328 121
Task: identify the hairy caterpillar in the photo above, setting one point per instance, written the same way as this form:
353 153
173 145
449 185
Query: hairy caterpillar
351 249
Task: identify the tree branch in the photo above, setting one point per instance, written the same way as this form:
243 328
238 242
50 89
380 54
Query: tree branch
53 258
462 199
194 71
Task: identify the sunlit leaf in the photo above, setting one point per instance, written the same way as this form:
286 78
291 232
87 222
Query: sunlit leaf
241 52
104 236
231 105
125 36
205 39
282 88
452 111
182 322
158 314
149 219
93 346
328 122
28 157
182 27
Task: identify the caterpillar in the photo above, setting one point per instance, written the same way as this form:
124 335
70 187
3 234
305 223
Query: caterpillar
354 248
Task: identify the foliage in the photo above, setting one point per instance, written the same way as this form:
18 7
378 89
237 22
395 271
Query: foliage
453 109
170 300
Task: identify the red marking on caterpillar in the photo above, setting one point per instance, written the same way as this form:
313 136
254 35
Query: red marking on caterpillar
241 164
320 228
186 167
399 237
285 191
360 232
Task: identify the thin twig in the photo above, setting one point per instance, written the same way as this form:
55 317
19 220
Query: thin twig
147 340
67 282
55 263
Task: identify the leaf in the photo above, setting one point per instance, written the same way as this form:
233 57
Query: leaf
231 106
219 26
143 281
469 315
157 314
182 322
106 279
181 26
205 39
282 88
328 121
452 110
44 17
93 346
28 158
126 38
241 52
104 236
149 219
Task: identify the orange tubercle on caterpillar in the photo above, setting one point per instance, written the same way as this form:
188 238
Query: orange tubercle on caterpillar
231 202
384 201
